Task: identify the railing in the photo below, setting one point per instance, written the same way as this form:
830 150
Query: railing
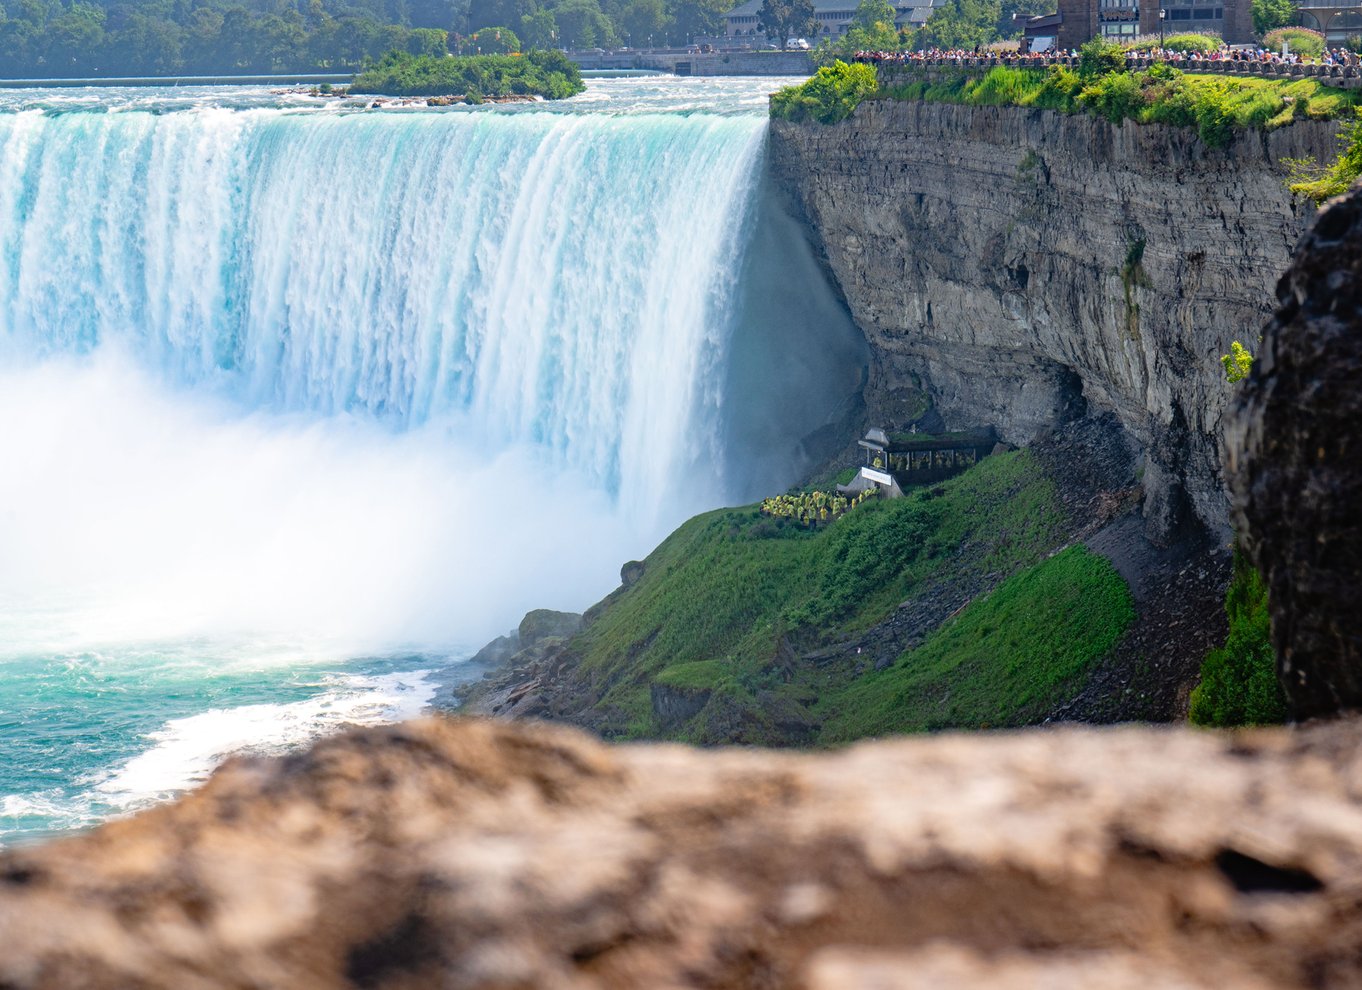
1342 76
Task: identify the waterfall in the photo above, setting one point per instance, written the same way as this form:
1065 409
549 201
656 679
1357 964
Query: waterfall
299 402
559 280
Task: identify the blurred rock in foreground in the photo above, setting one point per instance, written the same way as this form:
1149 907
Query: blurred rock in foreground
478 854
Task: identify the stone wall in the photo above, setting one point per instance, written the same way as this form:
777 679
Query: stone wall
1028 266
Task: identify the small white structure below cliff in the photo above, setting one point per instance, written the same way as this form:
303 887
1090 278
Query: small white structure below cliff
875 472
907 458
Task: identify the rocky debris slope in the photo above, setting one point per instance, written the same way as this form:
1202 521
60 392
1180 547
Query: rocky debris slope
1024 266
542 632
482 854
1294 459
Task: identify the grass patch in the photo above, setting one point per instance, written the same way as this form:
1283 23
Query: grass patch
1012 654
726 596
701 675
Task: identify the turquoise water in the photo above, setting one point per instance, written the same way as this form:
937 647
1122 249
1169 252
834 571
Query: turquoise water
300 401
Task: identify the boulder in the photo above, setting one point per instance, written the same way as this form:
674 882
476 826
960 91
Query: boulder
1295 460
545 623
465 854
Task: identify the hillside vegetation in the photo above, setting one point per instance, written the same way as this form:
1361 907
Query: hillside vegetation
728 600
1215 105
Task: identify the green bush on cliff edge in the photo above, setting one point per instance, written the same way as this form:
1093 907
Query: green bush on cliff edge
830 95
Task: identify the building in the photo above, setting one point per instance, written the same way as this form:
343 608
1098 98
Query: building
1078 21
834 18
1338 21
895 462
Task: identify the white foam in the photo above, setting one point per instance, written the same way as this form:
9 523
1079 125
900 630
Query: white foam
188 749
133 514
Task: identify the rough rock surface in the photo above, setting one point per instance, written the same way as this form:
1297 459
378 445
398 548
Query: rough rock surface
1024 266
484 854
1294 451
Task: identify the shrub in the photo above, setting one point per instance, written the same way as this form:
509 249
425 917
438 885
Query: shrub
830 95
1239 680
1060 89
1302 41
1336 178
1189 42
1216 106
1115 97
1237 363
1100 58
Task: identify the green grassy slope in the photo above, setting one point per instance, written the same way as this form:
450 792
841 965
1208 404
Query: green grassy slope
1006 657
728 600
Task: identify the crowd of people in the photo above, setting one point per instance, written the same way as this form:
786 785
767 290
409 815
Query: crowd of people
1238 53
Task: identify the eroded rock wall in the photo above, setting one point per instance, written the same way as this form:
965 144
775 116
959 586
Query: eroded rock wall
1028 266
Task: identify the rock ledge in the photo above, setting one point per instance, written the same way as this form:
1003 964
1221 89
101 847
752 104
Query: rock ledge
484 854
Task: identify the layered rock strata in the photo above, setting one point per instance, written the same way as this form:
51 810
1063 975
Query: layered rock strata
481 854
1026 266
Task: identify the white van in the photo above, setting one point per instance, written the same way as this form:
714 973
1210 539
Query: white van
797 44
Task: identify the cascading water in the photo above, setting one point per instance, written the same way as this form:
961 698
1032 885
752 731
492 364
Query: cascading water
281 388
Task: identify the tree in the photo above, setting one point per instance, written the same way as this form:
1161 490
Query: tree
539 30
873 14
74 36
444 14
962 24
872 30
430 41
643 20
1271 14
786 19
489 13
692 19
490 41
582 24
832 94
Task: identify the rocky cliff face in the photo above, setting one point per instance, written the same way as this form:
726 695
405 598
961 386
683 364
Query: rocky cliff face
1293 447
1027 266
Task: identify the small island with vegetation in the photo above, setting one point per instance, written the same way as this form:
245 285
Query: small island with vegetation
550 75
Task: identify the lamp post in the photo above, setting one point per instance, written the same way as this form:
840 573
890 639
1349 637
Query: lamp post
1162 14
